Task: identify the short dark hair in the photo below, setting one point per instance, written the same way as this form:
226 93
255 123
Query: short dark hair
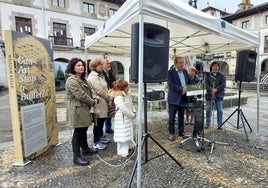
72 63
214 63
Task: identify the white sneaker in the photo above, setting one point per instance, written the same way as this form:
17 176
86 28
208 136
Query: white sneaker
105 140
99 145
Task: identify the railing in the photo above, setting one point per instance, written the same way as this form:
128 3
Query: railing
61 41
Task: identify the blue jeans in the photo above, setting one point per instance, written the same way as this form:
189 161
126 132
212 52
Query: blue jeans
108 124
218 107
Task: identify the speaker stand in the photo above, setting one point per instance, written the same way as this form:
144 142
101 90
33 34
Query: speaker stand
240 115
145 142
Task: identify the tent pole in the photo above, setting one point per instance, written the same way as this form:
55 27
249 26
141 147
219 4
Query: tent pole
258 86
86 58
140 96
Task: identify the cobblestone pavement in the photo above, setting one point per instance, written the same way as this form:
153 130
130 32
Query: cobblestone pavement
240 164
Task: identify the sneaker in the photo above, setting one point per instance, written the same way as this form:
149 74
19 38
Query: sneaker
171 138
105 140
99 145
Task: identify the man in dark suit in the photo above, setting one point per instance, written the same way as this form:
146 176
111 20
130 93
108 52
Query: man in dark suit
177 87
110 78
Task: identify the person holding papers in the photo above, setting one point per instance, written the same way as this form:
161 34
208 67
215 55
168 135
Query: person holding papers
177 87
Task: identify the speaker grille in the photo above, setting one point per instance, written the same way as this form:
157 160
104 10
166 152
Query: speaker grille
155 54
245 66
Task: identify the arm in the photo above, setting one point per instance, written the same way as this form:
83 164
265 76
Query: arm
73 85
173 82
121 105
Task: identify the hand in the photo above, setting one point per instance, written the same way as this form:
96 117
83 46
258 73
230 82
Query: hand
96 101
184 89
214 91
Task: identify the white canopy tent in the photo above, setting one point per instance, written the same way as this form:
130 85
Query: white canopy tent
192 32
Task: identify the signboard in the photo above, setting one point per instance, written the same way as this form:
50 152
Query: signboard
196 89
32 94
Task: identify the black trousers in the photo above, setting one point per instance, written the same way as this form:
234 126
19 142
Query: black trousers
79 140
98 129
177 109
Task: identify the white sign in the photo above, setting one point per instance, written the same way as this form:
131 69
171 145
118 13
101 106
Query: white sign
34 128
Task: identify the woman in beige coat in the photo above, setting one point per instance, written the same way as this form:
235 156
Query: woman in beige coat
79 100
99 87
123 120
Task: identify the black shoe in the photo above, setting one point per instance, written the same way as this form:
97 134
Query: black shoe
220 128
89 151
81 161
111 131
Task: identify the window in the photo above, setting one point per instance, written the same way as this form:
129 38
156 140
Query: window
112 12
89 31
265 44
59 31
89 8
245 24
24 25
58 3
266 19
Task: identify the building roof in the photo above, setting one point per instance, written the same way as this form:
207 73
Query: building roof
223 13
118 2
254 10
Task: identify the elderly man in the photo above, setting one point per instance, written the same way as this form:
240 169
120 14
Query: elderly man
177 80
110 78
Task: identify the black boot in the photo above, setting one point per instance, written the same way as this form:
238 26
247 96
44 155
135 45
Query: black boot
76 143
89 151
81 161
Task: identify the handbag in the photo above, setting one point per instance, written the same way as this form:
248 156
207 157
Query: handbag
111 109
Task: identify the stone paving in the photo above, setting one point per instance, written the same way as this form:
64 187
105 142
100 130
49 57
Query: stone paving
240 164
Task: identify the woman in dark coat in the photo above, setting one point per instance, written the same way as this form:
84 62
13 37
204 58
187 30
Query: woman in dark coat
79 101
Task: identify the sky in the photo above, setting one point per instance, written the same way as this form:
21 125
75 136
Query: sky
230 5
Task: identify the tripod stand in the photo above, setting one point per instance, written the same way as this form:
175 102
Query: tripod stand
198 107
240 114
145 141
212 141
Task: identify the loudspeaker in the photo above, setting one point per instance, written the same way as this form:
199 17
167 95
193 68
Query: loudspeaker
155 53
245 66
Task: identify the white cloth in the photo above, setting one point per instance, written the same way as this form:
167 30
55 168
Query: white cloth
123 147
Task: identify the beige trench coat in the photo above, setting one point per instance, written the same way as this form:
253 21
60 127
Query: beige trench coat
99 88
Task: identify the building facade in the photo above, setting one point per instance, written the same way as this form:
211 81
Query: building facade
249 17
64 22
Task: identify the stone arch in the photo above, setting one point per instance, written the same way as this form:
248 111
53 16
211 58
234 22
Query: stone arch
118 69
264 67
60 65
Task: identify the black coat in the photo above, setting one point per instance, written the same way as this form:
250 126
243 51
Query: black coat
109 79
219 82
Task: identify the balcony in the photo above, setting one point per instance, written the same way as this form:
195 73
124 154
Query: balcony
61 41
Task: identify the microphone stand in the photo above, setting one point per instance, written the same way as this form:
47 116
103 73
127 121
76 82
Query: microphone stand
212 106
